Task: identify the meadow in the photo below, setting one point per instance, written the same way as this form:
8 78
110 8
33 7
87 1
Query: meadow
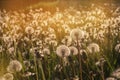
69 44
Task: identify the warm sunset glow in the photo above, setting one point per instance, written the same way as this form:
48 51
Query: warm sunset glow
59 40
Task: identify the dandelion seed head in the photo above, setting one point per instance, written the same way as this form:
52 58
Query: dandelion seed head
117 48
77 34
46 51
14 66
63 51
8 76
73 50
29 30
116 73
93 48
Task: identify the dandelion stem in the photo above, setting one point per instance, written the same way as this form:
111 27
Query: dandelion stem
80 59
43 75
36 68
102 73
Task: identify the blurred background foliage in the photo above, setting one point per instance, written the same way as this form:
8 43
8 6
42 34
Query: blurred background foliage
22 4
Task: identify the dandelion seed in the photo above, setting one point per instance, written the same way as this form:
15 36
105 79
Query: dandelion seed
77 34
14 66
63 51
93 48
73 50
8 76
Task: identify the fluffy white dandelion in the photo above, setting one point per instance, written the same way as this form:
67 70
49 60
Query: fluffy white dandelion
73 50
8 76
29 30
46 51
76 34
93 48
63 51
116 73
14 66
117 48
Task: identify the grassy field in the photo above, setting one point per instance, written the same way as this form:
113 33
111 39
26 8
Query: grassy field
69 44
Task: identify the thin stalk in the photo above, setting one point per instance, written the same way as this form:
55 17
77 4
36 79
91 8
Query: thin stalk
36 68
43 75
64 69
80 59
92 78
35 60
102 73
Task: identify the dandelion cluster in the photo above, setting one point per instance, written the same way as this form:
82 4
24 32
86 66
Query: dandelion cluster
73 44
